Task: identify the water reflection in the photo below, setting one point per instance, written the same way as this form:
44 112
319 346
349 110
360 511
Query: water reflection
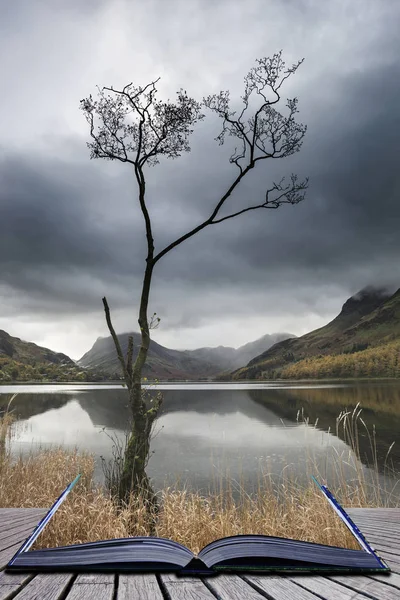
204 430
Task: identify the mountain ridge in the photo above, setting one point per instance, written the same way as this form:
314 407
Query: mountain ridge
368 319
162 362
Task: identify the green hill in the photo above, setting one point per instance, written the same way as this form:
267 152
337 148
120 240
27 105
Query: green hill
26 361
365 330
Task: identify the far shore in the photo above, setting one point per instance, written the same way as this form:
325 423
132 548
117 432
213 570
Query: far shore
202 381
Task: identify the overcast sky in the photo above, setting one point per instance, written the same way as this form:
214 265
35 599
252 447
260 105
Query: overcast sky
70 227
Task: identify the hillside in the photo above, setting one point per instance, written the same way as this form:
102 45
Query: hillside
164 363
26 361
21 351
369 319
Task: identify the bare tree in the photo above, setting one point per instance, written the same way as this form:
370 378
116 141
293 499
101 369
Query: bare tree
132 126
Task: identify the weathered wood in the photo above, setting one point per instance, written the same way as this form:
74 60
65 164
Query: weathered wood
15 514
85 578
374 525
14 578
375 520
327 589
8 591
15 533
279 588
139 587
391 579
381 535
92 586
231 587
10 584
371 587
387 548
391 559
374 538
185 588
49 586
7 553
392 513
22 511
7 523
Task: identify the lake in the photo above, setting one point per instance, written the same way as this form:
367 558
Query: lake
209 431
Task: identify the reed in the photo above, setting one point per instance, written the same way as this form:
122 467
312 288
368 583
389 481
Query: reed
281 507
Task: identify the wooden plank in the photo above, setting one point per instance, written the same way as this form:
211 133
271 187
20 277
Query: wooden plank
374 538
391 528
377 534
10 584
14 578
6 522
12 514
232 587
86 578
45 586
139 587
21 511
185 588
391 559
387 548
391 579
375 519
92 586
279 588
8 591
15 532
388 512
327 589
371 587
7 554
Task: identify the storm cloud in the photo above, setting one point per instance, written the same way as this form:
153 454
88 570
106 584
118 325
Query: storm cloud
71 230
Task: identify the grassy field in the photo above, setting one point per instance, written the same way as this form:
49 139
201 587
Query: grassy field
90 513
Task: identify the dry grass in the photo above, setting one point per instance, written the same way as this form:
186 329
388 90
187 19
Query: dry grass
90 513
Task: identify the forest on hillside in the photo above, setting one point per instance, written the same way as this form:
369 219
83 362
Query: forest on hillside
381 361
13 370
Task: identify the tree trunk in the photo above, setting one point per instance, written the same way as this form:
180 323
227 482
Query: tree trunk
134 478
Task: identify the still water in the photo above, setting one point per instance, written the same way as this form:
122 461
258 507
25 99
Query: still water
210 432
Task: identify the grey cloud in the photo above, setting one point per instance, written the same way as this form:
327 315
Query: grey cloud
70 228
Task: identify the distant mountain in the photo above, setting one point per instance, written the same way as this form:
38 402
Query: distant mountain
369 319
164 363
225 357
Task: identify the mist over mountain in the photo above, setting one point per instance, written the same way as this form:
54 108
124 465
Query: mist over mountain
368 319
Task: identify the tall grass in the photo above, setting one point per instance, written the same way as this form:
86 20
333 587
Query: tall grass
282 508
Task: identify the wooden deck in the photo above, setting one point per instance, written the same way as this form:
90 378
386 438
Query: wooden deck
380 526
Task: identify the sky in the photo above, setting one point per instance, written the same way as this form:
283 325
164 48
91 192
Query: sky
71 230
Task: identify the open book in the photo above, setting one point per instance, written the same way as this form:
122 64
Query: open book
231 554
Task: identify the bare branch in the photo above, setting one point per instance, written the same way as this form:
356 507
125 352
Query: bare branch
155 321
131 125
266 123
291 194
205 223
116 341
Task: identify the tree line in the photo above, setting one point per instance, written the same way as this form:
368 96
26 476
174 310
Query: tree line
380 361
